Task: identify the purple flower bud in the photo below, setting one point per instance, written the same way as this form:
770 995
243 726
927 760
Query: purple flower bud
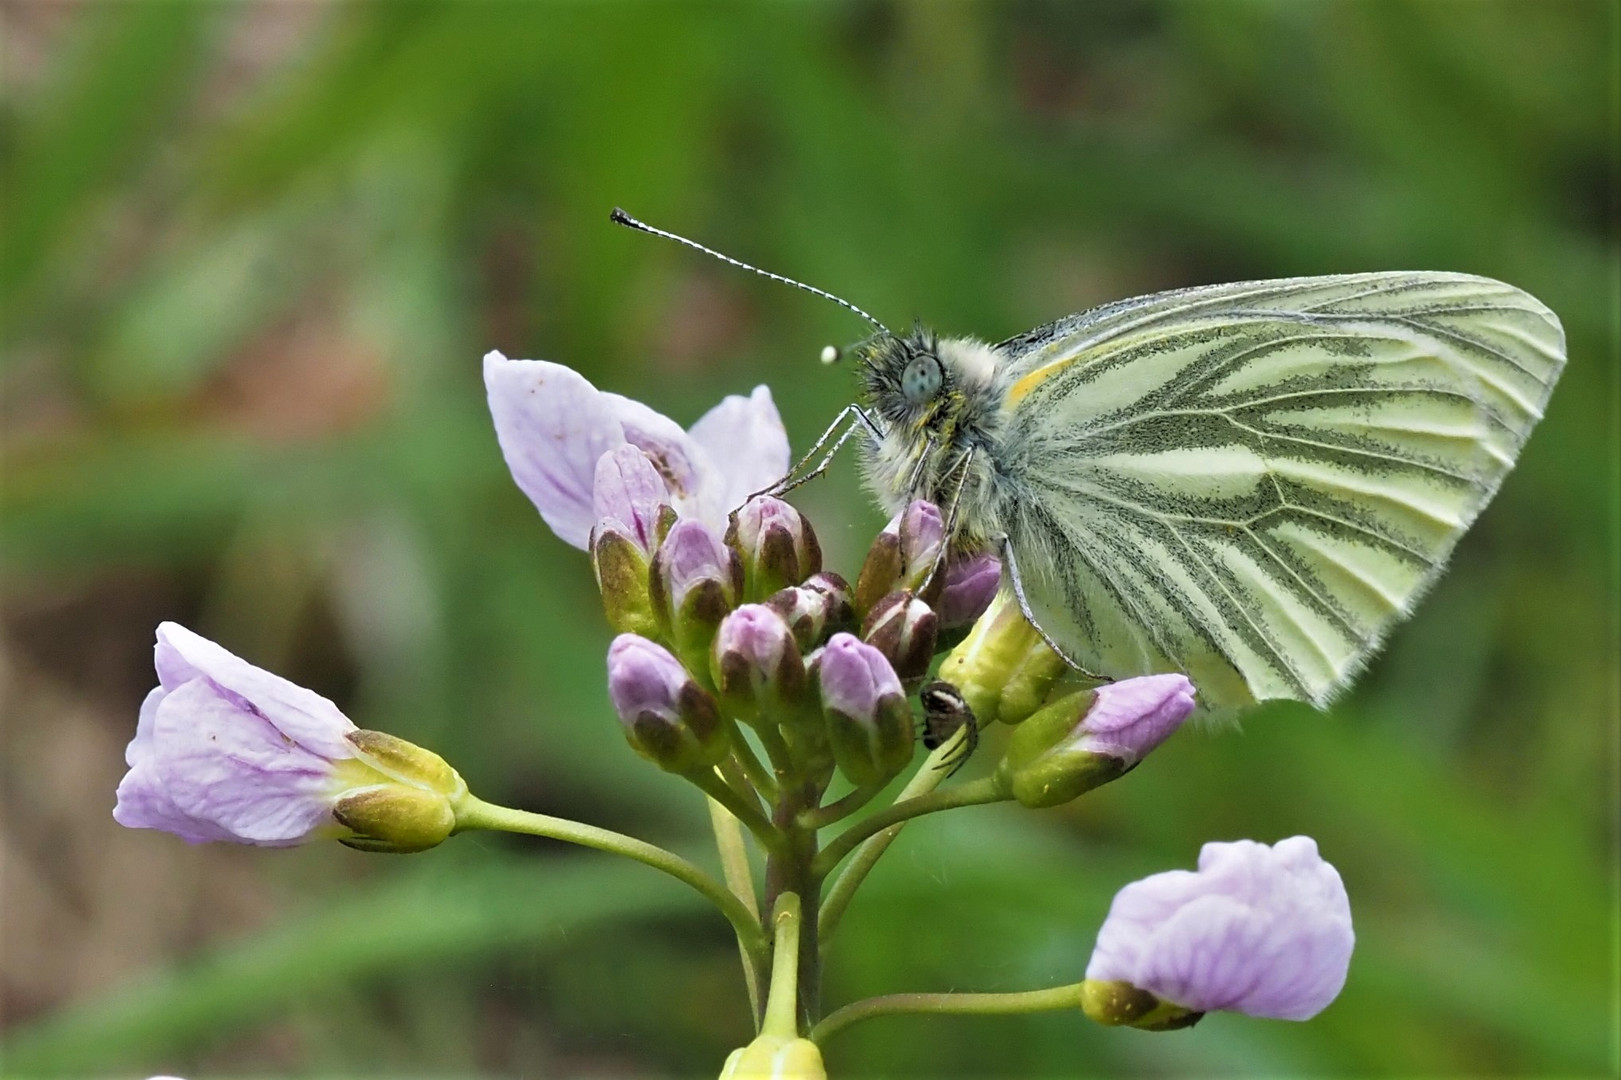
1130 717
776 543
695 582
922 529
869 720
1259 930
905 630
757 667
691 560
225 750
669 719
970 585
903 555
813 610
630 497
1089 737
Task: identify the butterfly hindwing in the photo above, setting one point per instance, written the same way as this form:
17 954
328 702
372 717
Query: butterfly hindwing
1251 482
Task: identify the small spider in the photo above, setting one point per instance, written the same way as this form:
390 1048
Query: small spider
944 712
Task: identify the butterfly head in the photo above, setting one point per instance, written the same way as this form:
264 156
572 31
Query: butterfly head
924 384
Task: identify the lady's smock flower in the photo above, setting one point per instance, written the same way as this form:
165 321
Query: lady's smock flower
869 722
554 427
1259 930
1089 737
225 750
668 718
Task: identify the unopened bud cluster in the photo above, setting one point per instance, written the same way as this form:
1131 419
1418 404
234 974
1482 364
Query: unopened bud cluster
746 628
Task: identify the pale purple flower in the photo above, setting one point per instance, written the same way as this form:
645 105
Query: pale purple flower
970 586
554 426
643 678
693 556
668 718
1131 717
777 545
905 630
1087 738
756 656
1259 930
224 750
629 496
921 528
869 722
856 678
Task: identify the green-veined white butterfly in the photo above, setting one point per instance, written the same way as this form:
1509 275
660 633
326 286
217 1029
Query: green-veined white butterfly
1249 483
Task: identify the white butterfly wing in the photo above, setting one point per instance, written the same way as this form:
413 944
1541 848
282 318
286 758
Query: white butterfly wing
1252 482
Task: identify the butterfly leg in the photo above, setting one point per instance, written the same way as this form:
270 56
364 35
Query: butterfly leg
1012 564
850 418
951 517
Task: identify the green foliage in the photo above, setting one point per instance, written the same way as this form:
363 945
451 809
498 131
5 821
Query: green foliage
252 257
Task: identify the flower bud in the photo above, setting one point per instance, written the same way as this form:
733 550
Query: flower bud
1264 931
903 555
756 664
630 494
777 546
868 718
904 629
1089 737
1003 668
224 750
1119 1003
695 582
815 609
621 568
413 809
772 1057
970 585
669 719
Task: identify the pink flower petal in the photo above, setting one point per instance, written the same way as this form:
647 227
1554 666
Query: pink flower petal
299 714
226 765
1259 930
552 425
745 438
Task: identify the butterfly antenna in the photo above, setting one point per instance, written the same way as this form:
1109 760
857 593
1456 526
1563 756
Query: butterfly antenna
619 217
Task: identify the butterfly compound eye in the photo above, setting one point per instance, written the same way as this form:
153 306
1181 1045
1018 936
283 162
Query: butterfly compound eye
921 379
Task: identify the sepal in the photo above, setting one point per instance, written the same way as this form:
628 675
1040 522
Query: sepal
1117 1004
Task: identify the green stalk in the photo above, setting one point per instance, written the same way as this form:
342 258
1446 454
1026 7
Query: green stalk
782 1004
925 780
973 793
734 864
475 813
1058 997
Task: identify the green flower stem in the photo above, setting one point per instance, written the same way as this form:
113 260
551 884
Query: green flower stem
843 807
1058 997
970 794
734 864
732 772
782 1005
782 762
475 813
788 870
710 783
758 775
925 780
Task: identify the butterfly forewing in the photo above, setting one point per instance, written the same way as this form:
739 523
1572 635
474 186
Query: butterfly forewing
1251 482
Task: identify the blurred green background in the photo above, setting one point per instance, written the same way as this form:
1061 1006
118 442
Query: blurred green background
252 254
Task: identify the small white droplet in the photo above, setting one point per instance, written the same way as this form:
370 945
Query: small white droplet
830 354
